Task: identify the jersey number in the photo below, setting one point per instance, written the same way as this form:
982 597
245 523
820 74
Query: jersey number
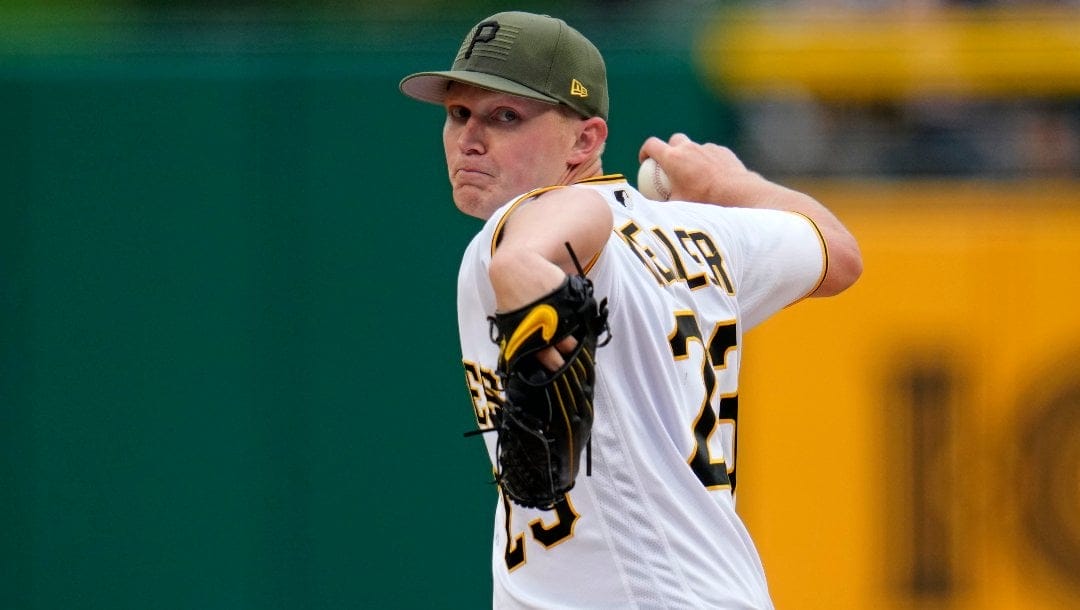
713 471
548 535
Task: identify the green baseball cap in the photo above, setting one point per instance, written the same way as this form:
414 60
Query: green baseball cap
533 56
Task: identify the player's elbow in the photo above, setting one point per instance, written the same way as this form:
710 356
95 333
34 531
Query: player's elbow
845 266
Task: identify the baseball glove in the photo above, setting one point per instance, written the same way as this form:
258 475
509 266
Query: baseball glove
546 419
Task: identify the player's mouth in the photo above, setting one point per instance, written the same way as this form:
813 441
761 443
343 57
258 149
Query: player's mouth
472 177
471 172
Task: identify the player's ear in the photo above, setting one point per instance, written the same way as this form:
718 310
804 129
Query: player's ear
592 133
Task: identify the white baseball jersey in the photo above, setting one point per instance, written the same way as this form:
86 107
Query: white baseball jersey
654 526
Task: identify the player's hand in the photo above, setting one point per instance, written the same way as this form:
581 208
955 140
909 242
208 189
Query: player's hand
552 357
705 173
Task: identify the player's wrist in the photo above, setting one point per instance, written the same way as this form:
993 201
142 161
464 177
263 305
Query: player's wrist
520 277
747 190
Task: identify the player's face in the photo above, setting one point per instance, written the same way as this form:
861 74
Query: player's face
499 146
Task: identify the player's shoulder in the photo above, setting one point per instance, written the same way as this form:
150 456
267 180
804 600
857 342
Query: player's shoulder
726 214
573 196
555 205
570 207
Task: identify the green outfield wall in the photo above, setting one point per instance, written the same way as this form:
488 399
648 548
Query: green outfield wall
229 373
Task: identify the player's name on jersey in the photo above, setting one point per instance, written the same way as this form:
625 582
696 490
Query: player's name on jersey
486 393
679 255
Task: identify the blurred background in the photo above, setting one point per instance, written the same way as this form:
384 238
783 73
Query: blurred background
229 373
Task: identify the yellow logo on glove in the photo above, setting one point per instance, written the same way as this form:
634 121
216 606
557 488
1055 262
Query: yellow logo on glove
542 318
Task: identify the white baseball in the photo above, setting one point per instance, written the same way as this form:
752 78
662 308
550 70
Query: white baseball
652 181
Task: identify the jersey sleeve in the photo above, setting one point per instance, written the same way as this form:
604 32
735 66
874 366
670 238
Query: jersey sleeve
779 258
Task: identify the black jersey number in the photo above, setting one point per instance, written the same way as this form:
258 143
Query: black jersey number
550 534
713 471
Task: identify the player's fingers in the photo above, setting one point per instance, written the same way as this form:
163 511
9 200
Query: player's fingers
678 139
550 358
567 345
653 147
657 149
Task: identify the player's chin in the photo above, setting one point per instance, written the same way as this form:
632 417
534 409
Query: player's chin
473 201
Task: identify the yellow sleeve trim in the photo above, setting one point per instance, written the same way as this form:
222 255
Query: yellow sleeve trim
824 257
605 179
496 236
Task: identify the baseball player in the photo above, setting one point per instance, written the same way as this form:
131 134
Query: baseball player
611 388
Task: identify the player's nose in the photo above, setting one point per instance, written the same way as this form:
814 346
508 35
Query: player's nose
470 138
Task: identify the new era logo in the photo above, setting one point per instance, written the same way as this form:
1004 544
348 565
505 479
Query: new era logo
577 89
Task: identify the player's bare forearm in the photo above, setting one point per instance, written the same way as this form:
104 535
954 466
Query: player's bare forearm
532 259
520 276
729 183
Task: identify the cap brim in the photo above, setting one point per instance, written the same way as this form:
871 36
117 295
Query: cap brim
432 86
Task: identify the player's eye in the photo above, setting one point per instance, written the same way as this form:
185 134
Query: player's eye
459 113
505 115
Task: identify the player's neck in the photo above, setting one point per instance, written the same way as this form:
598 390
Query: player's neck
577 173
